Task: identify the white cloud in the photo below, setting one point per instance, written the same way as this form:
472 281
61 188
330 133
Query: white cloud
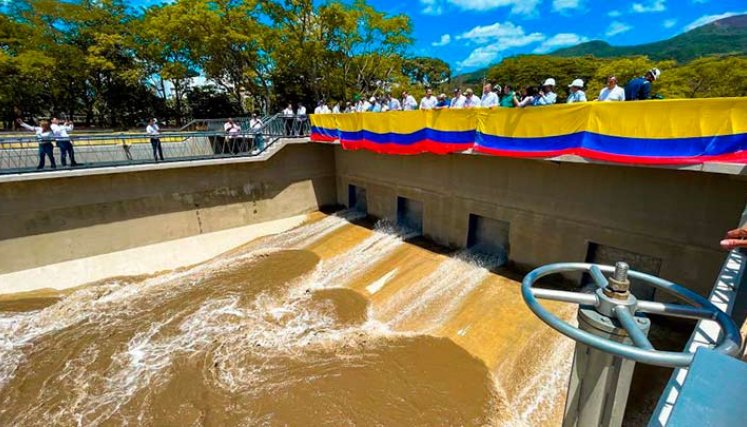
560 40
485 33
518 7
481 57
565 5
614 14
669 23
707 19
617 27
650 6
445 39
432 7
501 38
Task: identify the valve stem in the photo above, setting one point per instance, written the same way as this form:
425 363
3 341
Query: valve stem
621 271
619 285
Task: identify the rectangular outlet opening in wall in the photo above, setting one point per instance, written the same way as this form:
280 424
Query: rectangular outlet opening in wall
357 198
488 236
608 255
410 214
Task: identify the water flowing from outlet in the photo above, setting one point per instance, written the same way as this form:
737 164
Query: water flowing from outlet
270 333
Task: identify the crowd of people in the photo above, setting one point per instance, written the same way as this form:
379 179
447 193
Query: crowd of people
493 96
58 132
238 137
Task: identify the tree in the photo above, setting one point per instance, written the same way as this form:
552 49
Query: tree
210 102
426 71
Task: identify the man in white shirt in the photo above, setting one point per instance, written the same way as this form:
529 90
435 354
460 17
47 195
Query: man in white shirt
322 108
612 92
232 128
300 119
471 100
45 136
336 109
408 102
393 103
367 105
429 101
489 98
60 131
458 100
155 142
288 119
255 124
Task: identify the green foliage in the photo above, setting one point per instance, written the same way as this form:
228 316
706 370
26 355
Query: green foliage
706 77
115 65
725 37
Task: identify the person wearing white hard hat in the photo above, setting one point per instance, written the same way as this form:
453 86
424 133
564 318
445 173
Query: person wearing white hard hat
429 101
639 88
577 95
547 95
612 92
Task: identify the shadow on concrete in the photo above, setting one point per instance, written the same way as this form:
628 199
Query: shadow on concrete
58 204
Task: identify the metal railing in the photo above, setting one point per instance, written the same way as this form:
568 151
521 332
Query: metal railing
21 154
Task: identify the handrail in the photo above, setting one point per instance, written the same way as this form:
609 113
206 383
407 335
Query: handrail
20 154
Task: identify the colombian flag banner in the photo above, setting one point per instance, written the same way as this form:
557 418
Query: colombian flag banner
643 132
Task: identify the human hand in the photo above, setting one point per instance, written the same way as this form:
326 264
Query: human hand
736 238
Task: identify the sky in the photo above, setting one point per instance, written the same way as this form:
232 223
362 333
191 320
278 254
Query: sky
471 34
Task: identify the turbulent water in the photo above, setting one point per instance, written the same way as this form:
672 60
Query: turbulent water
329 323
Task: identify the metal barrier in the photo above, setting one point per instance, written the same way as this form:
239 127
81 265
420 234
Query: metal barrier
20 154
612 335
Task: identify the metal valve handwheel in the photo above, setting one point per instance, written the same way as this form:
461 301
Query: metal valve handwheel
614 300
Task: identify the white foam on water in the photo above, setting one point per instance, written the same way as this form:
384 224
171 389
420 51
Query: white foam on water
313 232
248 342
379 283
438 295
336 271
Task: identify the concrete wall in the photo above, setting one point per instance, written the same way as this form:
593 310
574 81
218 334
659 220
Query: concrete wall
52 220
555 209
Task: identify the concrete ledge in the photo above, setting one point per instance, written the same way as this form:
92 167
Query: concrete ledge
142 260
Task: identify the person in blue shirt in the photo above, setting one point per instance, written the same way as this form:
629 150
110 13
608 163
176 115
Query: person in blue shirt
576 95
639 88
443 102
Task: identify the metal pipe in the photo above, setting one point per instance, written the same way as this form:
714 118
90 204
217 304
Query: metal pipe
675 310
628 322
563 296
598 277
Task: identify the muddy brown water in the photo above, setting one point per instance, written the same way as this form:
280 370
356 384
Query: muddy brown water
331 323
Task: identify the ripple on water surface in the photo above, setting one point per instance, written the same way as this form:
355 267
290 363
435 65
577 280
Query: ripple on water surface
240 340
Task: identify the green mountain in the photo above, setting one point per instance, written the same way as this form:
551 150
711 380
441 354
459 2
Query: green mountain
723 37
